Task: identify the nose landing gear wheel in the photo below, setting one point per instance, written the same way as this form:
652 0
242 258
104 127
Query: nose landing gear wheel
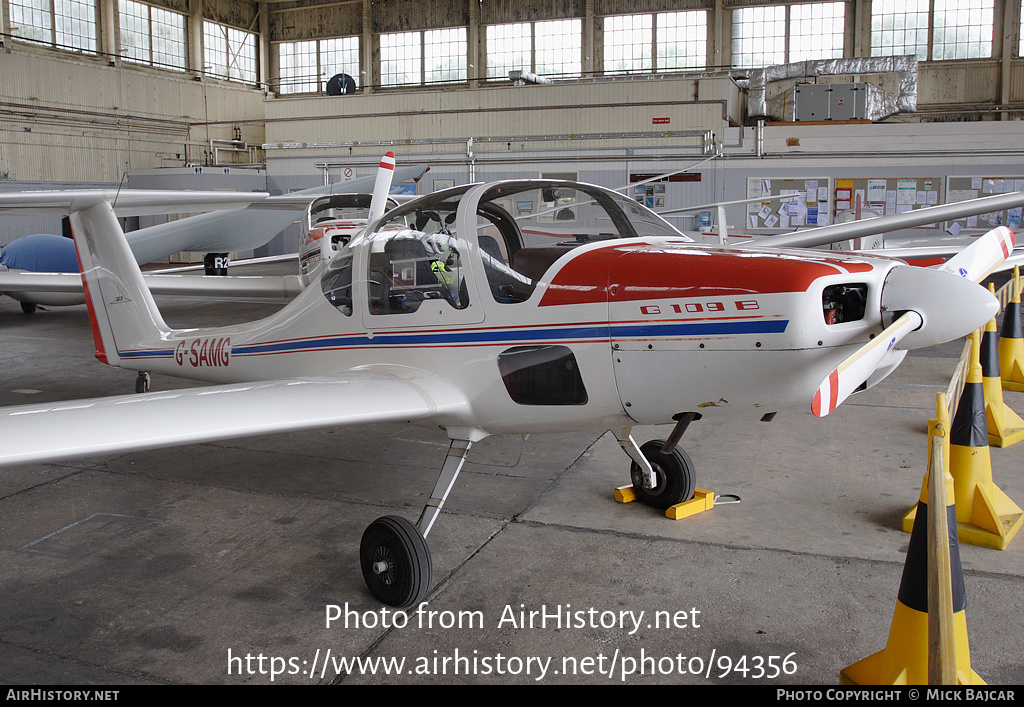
395 561
675 475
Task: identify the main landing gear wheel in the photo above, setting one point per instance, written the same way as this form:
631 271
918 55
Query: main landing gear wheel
395 561
28 308
674 473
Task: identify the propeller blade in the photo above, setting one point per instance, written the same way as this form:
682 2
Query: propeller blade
855 370
382 187
978 260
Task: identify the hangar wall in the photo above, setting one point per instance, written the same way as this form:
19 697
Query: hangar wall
665 112
78 119
73 118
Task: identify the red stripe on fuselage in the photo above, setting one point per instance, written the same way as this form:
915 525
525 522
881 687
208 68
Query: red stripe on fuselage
643 272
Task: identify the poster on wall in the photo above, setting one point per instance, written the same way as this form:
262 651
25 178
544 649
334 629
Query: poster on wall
973 187
805 204
886 196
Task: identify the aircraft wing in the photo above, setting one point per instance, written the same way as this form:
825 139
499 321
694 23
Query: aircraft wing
178 269
924 254
216 232
233 224
22 281
126 202
285 286
82 428
940 252
241 229
364 185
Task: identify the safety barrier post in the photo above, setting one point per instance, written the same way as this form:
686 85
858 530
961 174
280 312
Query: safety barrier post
927 641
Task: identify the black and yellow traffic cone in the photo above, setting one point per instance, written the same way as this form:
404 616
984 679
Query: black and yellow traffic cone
905 658
985 514
1011 340
1005 427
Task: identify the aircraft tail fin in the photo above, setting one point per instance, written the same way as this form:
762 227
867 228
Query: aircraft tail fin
125 320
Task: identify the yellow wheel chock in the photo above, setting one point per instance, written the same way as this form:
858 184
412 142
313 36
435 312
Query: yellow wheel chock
703 500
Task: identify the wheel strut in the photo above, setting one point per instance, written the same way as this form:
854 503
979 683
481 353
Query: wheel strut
453 462
630 447
683 421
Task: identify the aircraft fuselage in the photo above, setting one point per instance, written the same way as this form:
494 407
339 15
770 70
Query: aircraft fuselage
613 332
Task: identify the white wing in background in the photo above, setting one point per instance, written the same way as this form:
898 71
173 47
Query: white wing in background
38 285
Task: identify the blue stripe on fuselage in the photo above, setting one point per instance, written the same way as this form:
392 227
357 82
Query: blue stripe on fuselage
655 330
601 332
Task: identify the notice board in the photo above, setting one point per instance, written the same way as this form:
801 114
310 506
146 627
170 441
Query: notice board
808 207
889 195
964 188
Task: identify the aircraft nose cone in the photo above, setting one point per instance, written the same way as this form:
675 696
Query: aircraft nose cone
950 306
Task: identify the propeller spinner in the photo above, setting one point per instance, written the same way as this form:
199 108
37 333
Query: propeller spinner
931 306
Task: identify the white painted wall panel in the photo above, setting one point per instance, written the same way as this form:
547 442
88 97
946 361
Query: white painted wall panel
80 119
558 116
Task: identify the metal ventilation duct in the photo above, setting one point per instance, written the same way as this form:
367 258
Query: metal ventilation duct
521 78
905 66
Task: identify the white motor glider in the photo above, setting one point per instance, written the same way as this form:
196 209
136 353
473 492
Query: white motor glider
521 306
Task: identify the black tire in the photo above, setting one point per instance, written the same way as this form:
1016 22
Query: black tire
28 308
142 383
395 561
676 477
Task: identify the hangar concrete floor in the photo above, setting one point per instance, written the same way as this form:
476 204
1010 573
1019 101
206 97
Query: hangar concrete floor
174 566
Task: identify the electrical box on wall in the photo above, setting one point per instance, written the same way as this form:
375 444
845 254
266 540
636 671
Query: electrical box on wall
831 101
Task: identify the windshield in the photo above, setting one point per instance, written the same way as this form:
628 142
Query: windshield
524 227
519 229
548 210
414 257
